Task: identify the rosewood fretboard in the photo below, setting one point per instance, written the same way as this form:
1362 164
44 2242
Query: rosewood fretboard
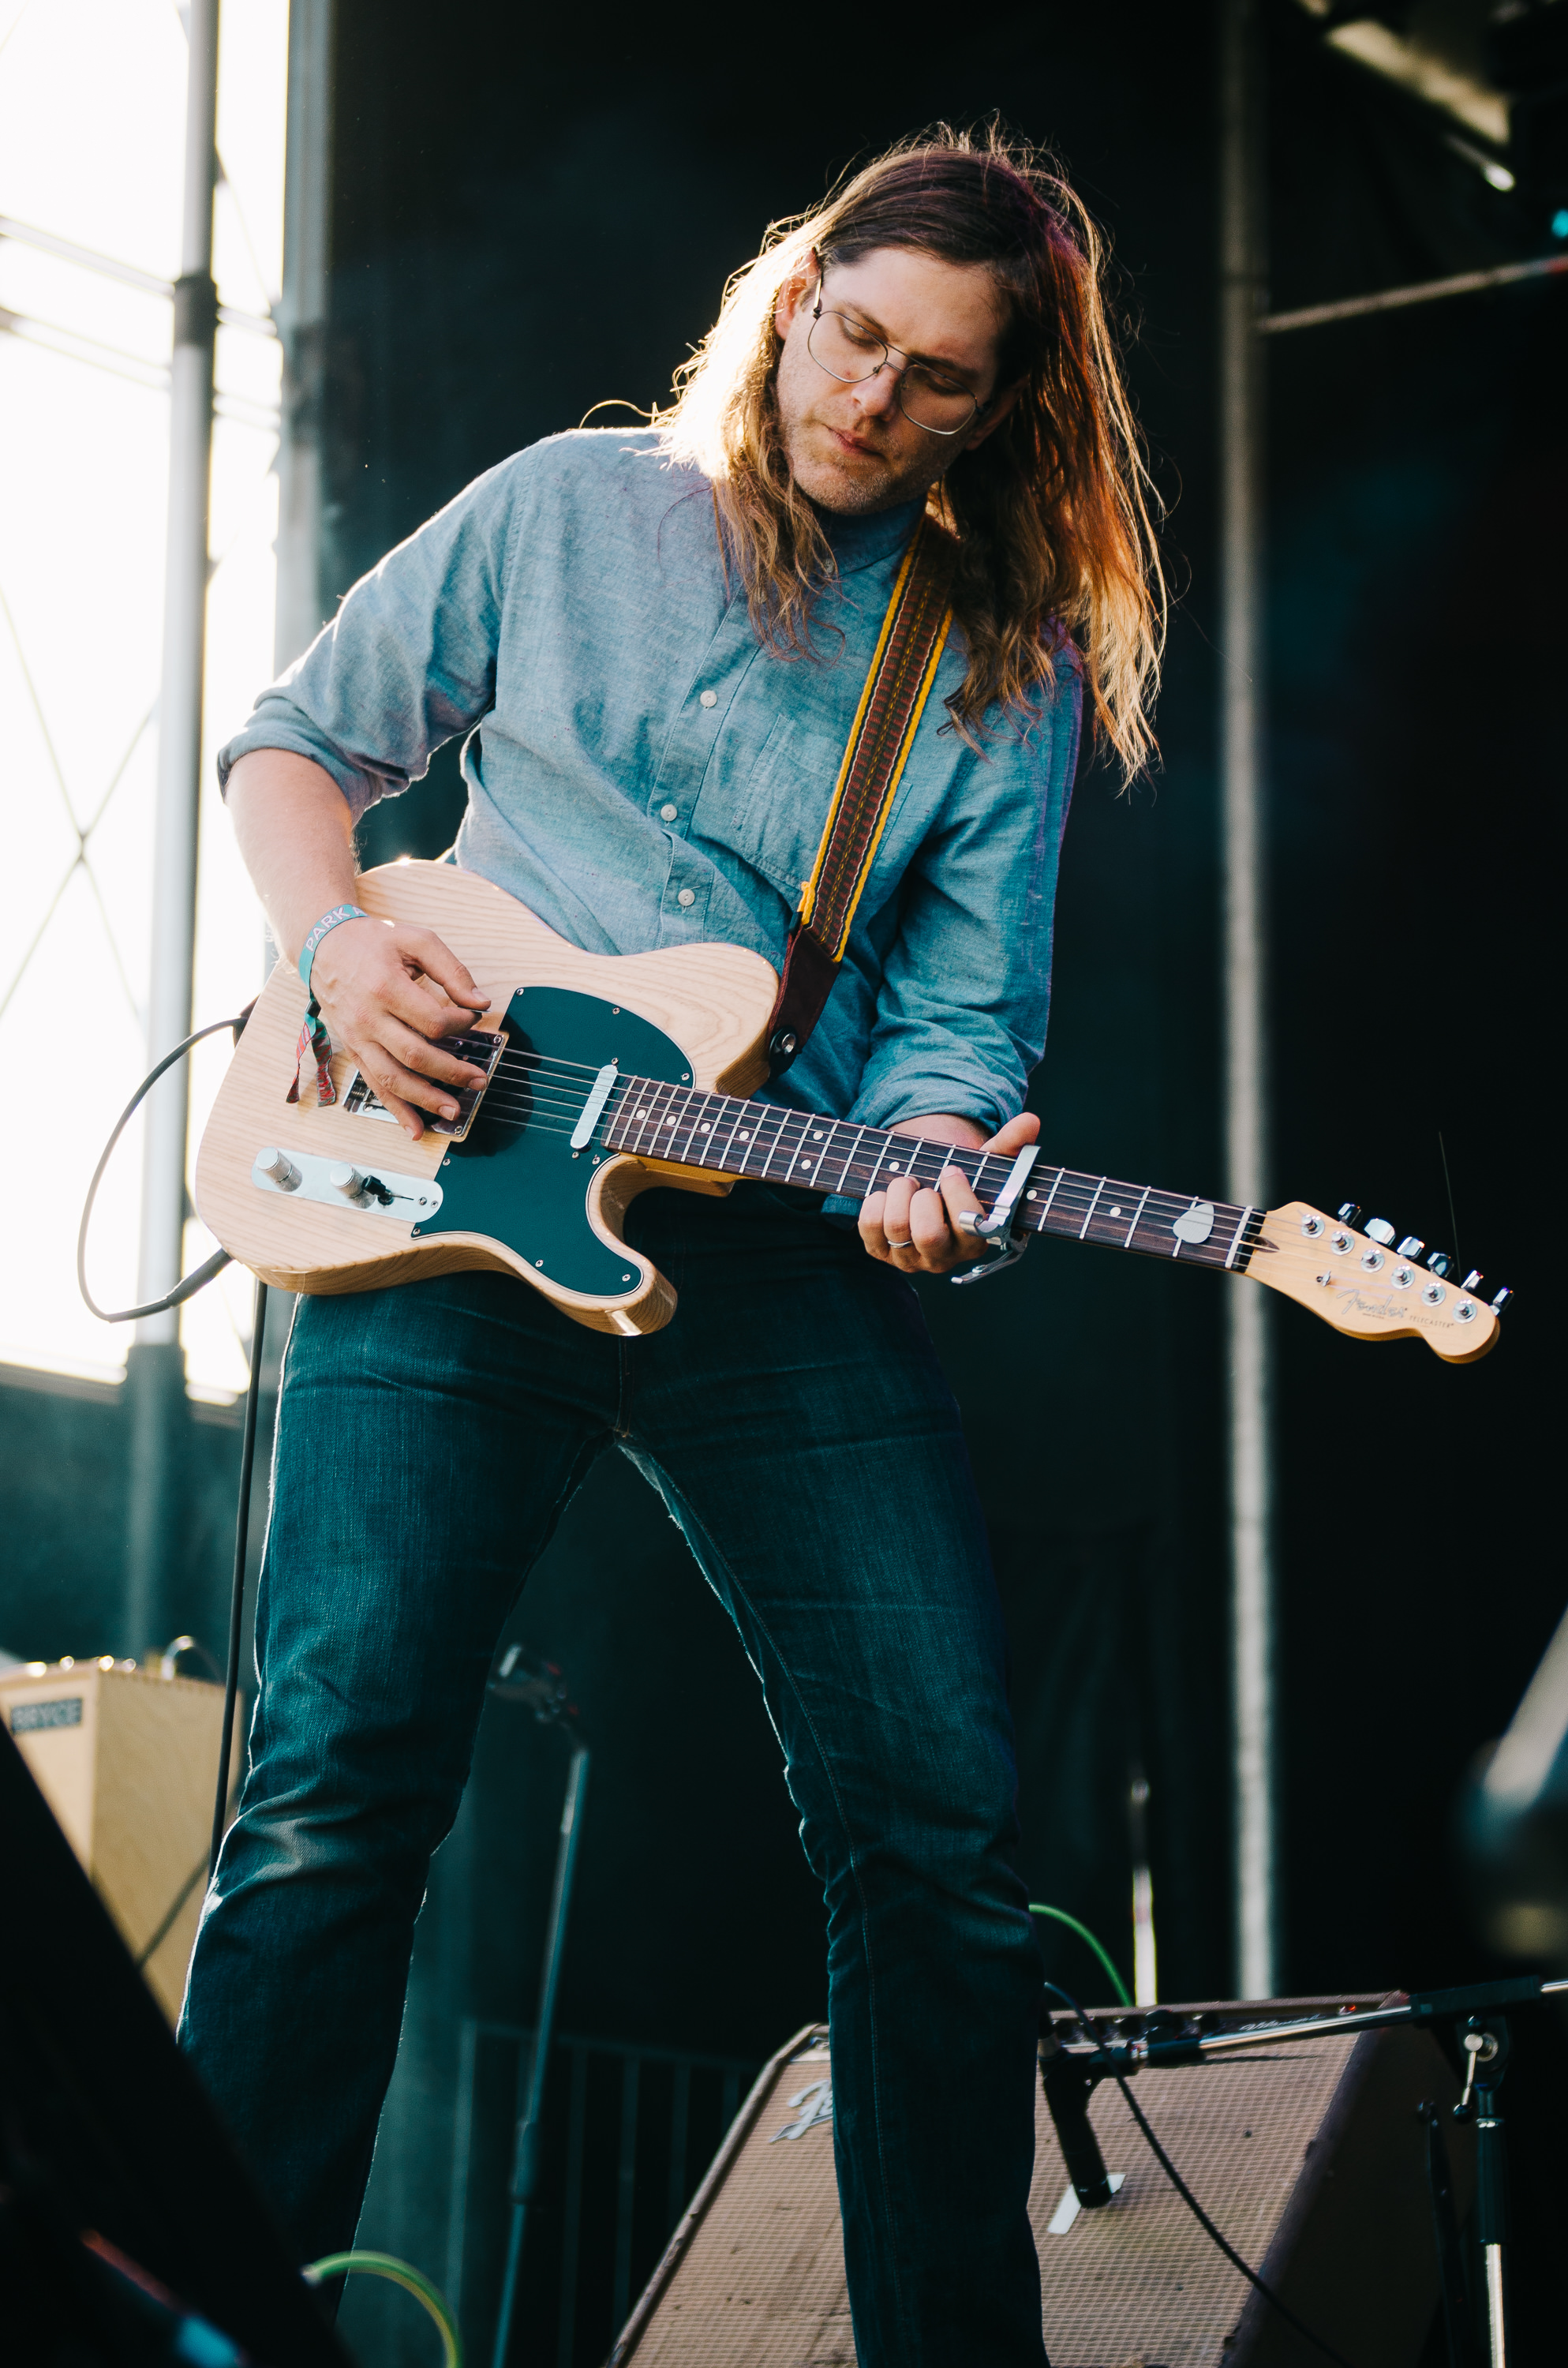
731 1137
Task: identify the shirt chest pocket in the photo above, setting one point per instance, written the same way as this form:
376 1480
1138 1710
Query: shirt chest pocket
773 815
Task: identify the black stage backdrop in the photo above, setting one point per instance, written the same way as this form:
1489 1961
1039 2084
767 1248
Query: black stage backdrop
535 211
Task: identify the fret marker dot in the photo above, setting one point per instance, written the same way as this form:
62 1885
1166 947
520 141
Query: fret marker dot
745 1137
816 1134
1113 1212
1032 1196
703 1129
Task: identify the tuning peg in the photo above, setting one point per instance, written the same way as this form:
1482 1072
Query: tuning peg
1440 1262
1471 1278
1378 1229
1349 1211
1412 1246
1501 1300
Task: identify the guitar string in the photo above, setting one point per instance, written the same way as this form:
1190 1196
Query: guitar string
534 1064
1076 1192
1071 1201
1200 1253
499 1105
1066 1200
925 1149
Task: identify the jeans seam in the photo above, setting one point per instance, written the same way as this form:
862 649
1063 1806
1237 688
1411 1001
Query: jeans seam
764 1631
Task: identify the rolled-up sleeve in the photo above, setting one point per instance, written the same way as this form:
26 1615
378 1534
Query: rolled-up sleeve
966 979
408 662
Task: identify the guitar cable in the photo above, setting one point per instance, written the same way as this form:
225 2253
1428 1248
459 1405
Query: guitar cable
1215 2235
187 1288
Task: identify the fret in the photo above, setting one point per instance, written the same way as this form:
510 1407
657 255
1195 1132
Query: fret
859 1138
726 1158
810 1164
779 1137
1137 1212
699 1127
1042 1214
798 1145
662 1123
1099 1188
659 1097
1236 1238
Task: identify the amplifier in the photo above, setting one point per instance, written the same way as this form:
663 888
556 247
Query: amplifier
127 1761
1310 2157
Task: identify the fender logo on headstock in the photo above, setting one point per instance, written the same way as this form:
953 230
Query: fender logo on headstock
1320 1262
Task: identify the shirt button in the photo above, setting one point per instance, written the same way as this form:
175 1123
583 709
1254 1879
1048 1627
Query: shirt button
686 896
668 813
708 698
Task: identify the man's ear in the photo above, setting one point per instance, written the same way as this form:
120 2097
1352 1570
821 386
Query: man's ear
1000 405
796 289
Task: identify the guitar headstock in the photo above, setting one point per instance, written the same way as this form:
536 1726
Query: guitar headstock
1369 1287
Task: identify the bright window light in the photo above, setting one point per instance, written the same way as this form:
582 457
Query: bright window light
92 113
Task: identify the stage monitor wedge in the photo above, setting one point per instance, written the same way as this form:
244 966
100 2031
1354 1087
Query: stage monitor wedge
1311 2158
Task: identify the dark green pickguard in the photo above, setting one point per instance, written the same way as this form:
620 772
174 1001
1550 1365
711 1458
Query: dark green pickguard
519 1183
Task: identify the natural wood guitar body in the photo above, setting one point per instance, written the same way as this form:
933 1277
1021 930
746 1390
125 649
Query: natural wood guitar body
612 1060
712 1000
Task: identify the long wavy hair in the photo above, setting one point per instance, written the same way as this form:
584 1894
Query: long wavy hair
1054 515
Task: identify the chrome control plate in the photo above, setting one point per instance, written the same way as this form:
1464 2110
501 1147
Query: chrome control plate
410 1199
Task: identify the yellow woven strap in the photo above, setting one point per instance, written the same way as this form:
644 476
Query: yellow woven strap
903 669
904 666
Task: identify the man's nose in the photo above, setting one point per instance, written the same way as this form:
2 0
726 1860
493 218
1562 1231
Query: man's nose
878 395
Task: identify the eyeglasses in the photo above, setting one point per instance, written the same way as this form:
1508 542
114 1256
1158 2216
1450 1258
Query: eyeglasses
848 351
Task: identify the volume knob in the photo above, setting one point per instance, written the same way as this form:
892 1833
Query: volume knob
1379 1229
346 1180
280 1166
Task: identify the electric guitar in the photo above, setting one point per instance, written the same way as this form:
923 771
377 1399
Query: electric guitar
607 1075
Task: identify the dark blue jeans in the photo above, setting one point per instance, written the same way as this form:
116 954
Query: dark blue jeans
796 1423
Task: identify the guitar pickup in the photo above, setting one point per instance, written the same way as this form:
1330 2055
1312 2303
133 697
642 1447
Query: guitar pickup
482 1048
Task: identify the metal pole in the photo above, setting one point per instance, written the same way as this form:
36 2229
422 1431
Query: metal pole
1242 304
155 1377
525 2167
303 314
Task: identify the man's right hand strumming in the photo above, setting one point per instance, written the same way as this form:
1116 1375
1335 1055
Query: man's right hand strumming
386 991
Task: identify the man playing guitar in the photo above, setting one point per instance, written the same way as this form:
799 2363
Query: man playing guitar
656 643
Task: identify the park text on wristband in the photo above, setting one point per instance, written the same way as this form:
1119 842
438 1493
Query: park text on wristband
323 929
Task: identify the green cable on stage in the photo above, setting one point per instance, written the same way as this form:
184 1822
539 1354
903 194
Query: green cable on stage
402 2273
1037 1908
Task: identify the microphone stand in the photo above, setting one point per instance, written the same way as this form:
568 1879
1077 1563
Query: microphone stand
1068 2072
542 1688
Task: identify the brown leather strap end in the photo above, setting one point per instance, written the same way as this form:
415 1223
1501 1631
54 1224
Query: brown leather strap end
804 986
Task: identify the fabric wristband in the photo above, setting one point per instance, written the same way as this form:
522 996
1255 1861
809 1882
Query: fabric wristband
323 929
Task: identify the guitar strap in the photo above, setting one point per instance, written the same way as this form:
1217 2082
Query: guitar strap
903 670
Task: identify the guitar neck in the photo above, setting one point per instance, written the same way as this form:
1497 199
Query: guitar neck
770 1144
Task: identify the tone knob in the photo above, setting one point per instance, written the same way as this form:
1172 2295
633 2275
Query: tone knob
1349 1211
1412 1246
280 1166
1379 1230
346 1180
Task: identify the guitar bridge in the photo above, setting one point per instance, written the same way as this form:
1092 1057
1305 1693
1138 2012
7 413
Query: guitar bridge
483 1049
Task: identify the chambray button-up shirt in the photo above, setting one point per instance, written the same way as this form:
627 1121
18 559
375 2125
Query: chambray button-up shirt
641 772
